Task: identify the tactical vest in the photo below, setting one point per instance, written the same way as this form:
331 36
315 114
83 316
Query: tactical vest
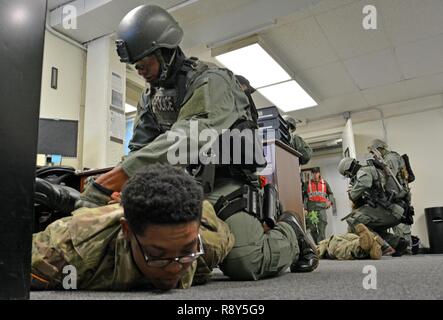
166 103
317 191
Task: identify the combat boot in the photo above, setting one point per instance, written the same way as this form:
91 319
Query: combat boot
401 248
375 252
369 241
308 258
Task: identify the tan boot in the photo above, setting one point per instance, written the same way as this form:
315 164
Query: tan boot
375 252
369 241
366 237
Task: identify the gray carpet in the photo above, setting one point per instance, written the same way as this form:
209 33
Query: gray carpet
408 277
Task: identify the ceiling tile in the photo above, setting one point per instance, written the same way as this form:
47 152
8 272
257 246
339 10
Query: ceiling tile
411 20
334 106
329 5
385 94
108 15
424 86
374 69
87 29
53 4
344 30
420 58
330 80
302 43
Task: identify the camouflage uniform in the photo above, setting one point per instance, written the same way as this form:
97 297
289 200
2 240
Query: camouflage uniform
301 146
92 241
344 247
379 219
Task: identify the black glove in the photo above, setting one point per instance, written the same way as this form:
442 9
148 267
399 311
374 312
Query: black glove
94 195
55 197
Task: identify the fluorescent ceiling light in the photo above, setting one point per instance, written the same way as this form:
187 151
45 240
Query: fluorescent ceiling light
288 96
255 64
129 108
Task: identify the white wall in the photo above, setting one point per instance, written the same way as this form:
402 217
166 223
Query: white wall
67 100
99 150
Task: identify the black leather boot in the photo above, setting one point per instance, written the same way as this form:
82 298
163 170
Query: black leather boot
308 257
401 248
55 197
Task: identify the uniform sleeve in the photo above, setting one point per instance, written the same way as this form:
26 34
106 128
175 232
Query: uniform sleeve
301 146
214 104
329 190
362 183
218 240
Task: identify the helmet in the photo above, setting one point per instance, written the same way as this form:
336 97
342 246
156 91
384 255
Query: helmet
347 166
144 30
245 82
292 123
378 144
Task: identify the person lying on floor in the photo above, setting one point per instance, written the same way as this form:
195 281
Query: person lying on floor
363 244
163 235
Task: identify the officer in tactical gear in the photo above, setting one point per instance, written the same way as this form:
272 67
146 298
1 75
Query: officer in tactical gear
399 169
374 204
297 142
183 90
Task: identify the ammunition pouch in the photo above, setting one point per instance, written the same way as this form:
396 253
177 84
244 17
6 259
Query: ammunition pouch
408 213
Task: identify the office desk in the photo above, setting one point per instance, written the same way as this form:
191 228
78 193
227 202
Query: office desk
283 171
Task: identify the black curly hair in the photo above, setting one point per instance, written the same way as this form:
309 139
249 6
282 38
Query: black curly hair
161 194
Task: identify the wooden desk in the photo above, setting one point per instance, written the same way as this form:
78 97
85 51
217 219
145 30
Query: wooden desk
283 171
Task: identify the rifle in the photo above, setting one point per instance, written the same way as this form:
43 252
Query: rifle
372 201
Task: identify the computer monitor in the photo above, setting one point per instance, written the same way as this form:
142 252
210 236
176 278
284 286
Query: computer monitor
58 137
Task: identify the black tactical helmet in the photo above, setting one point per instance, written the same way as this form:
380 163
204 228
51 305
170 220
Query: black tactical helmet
144 30
245 82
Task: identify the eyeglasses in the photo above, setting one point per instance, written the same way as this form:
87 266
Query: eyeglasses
163 262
